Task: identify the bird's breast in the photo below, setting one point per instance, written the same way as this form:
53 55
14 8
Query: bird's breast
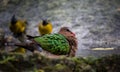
47 29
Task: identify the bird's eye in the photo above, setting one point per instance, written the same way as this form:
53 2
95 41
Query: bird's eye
67 30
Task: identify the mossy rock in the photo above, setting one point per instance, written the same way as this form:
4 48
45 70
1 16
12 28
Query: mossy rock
16 62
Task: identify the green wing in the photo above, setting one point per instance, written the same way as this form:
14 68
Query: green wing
54 43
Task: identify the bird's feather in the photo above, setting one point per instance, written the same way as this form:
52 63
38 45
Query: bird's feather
54 43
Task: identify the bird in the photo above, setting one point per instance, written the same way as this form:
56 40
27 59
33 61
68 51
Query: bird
17 26
45 27
62 43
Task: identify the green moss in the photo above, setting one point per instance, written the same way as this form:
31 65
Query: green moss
59 66
16 62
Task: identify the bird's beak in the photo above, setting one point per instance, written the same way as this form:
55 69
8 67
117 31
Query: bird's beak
73 33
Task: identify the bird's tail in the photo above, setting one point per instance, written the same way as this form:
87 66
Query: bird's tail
21 37
29 46
16 35
31 37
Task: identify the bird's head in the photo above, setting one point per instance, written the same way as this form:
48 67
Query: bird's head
70 36
66 32
44 22
13 20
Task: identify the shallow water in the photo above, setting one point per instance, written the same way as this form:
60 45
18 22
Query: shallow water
96 23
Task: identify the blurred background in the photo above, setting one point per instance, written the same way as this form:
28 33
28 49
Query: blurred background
96 23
